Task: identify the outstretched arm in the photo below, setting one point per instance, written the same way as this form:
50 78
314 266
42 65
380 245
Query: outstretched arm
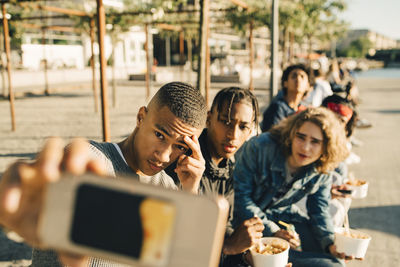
23 185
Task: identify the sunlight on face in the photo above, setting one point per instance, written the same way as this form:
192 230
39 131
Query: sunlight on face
297 81
227 135
307 145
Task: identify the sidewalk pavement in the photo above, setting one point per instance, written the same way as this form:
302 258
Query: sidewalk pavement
70 112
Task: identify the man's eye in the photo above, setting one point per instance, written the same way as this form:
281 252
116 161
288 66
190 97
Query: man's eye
244 127
159 135
182 149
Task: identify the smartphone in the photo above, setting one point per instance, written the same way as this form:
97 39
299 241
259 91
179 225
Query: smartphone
134 223
344 191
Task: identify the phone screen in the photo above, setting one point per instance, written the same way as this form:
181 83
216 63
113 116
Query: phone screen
132 225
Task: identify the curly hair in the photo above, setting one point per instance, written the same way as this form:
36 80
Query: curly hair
235 95
334 140
184 101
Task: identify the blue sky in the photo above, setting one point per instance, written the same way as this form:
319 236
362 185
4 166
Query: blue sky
382 16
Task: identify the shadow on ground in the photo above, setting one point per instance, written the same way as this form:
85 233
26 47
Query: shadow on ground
389 111
383 218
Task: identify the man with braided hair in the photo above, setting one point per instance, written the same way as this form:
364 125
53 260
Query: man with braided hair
232 119
165 130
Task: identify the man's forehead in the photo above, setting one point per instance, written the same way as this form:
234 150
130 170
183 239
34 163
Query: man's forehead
177 130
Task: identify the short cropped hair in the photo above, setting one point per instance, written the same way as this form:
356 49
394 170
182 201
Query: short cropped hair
288 70
235 95
334 139
184 101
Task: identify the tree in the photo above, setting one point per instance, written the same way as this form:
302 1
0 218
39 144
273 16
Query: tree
358 48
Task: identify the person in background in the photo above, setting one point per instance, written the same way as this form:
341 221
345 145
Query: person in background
295 85
231 120
276 169
321 90
165 130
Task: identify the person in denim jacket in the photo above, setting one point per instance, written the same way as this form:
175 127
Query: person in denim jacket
295 84
276 169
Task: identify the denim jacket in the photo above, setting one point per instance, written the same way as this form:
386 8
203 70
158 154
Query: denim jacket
260 172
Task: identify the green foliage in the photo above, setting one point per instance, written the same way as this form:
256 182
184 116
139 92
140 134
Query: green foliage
358 48
258 12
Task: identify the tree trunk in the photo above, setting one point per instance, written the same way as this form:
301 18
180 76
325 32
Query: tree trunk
92 65
285 48
148 66
7 48
291 48
190 59
114 86
203 39
181 53
251 55
46 81
101 24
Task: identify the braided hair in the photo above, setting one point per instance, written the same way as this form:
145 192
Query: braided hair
184 101
235 95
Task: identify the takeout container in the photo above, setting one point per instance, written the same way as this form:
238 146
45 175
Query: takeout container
271 260
358 187
354 245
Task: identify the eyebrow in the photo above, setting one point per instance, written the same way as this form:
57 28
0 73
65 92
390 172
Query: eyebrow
165 131
224 116
304 135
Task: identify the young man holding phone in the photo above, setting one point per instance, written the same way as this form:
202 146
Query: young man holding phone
167 128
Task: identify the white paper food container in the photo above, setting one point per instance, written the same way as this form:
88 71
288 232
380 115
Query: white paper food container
360 191
275 260
351 246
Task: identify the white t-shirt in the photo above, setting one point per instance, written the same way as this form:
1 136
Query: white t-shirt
321 90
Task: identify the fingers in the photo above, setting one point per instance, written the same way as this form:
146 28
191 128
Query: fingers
194 145
72 260
186 163
77 157
97 167
49 160
11 200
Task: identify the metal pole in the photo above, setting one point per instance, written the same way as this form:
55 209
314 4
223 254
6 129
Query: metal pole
274 49
101 25
7 47
92 64
148 66
251 55
201 67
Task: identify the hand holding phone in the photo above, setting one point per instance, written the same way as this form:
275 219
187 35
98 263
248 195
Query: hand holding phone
23 184
340 191
131 222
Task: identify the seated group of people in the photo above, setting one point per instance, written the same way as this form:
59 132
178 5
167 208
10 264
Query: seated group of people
263 177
